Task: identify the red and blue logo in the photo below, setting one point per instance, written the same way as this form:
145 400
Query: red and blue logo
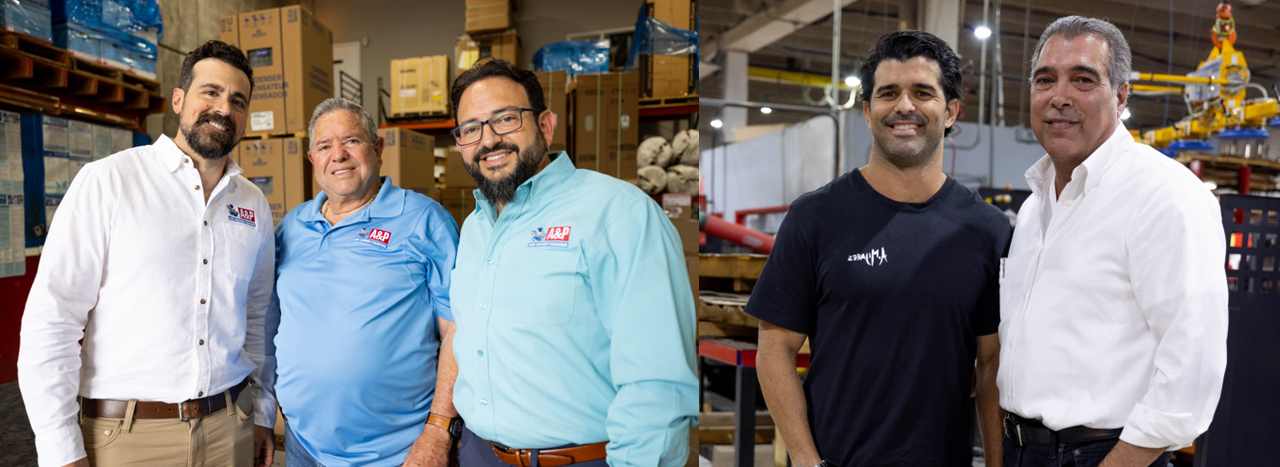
555 237
374 236
242 215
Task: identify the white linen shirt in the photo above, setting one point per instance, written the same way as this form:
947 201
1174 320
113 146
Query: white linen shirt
170 294
1115 315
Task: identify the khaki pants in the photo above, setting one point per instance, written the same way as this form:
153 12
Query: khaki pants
220 439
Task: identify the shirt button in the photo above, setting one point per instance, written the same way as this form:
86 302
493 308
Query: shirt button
484 402
201 341
200 394
1067 202
197 187
202 301
484 305
206 261
490 260
1024 295
480 353
206 222
186 161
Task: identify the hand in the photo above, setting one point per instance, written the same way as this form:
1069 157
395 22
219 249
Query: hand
431 449
264 446
83 462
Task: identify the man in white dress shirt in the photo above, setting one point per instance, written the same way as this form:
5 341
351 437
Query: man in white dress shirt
1113 298
162 260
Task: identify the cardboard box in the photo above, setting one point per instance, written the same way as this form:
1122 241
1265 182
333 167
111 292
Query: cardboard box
688 230
488 15
101 142
670 75
455 174
460 202
606 123
279 167
420 85
121 139
470 48
292 58
79 147
691 263
678 206
554 89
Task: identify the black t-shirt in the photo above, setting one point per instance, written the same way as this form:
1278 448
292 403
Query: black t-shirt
891 296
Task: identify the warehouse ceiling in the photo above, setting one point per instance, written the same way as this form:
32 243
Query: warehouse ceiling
1145 23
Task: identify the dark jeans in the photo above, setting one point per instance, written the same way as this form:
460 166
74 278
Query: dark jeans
1088 454
476 452
294 454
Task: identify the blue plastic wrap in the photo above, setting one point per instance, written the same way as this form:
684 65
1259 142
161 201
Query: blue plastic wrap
78 39
120 17
657 37
30 17
574 57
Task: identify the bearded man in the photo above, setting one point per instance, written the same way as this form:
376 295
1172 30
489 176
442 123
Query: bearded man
574 317
891 272
162 260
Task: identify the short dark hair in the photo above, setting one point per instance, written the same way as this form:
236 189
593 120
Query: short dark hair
905 45
498 68
228 53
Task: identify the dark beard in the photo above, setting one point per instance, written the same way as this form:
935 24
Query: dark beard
207 143
503 190
906 159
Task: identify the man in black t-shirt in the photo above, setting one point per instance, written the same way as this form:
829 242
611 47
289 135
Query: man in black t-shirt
892 273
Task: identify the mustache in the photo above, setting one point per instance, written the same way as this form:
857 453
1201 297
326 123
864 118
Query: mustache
215 118
908 118
503 146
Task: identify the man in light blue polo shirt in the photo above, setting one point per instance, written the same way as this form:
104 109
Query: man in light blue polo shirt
363 284
575 342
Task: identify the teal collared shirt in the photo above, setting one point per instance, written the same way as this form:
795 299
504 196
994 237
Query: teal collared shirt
575 320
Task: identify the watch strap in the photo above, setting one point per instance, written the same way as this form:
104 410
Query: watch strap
451 425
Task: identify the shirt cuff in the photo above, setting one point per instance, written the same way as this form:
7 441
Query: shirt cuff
60 447
1149 428
264 408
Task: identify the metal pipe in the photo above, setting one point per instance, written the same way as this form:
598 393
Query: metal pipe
834 96
982 72
1136 76
720 228
998 76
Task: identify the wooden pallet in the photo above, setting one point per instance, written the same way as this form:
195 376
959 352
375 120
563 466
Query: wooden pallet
34 47
670 101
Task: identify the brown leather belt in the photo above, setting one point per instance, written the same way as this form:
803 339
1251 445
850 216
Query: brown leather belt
550 457
195 408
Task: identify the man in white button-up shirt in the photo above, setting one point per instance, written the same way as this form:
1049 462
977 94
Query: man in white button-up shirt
1113 297
162 260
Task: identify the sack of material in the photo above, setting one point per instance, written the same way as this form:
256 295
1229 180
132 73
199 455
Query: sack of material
654 151
684 148
652 179
682 180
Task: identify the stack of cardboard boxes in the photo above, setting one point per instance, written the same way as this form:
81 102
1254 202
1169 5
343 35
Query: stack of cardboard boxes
490 33
291 53
667 76
606 123
420 86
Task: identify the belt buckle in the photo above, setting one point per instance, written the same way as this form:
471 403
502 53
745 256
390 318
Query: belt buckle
182 410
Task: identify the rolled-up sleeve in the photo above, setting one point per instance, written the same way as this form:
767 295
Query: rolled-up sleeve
262 311
64 290
646 305
1177 250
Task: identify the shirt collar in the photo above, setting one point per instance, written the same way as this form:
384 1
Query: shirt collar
1041 173
389 202
172 156
546 181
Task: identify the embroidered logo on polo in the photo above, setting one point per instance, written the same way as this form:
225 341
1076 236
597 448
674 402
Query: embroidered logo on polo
242 215
873 258
374 237
554 237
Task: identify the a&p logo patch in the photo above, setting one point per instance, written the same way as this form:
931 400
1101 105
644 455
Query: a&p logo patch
242 215
555 237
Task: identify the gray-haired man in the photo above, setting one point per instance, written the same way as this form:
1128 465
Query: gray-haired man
363 284
1113 298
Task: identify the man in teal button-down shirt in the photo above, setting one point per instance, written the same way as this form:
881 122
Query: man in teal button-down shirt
575 318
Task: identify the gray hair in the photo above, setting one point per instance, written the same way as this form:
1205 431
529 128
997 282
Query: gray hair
1118 64
337 103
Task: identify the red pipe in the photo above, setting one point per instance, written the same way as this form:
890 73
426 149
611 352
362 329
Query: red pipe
738 234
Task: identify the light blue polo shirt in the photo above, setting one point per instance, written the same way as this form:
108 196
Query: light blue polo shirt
357 344
576 321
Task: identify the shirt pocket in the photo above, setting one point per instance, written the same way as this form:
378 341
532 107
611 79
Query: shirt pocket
238 250
542 285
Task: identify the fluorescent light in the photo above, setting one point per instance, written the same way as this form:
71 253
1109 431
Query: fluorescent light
852 81
1125 114
982 32
716 123
766 110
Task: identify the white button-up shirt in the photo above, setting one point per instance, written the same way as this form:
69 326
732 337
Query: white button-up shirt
170 294
1113 300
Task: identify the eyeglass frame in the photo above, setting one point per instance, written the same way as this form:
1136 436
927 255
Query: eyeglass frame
521 112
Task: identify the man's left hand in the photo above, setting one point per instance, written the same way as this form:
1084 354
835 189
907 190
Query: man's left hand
264 446
431 449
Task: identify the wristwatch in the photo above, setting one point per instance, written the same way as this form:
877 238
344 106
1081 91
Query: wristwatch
823 464
452 425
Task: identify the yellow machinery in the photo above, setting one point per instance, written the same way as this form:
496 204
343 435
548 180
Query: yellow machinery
1215 92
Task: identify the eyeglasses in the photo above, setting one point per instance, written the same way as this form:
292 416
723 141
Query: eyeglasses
504 122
